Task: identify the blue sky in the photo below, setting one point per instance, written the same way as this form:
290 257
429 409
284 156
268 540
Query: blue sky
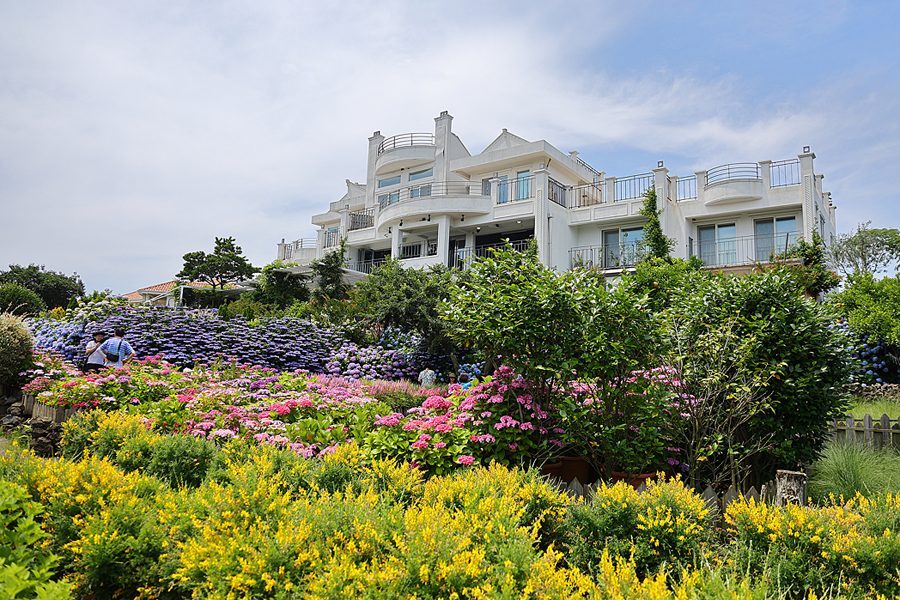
132 133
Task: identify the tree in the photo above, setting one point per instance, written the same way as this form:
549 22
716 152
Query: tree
55 289
18 300
225 265
812 274
329 274
278 287
865 250
408 299
658 245
871 306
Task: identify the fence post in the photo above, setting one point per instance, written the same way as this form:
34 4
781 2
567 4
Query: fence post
790 488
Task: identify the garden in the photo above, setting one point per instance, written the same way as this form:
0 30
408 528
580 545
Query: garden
296 455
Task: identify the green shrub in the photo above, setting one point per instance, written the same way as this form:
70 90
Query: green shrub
180 460
20 301
25 571
871 306
16 343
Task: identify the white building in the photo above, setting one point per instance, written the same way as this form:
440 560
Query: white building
427 200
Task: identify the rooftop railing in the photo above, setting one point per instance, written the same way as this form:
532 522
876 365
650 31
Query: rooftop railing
556 192
581 196
743 250
633 187
596 173
784 173
406 139
686 188
733 171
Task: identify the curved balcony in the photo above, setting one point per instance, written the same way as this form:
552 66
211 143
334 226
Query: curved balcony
443 198
735 182
404 151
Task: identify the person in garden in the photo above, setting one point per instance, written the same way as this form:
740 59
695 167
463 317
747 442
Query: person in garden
96 358
426 377
464 381
116 350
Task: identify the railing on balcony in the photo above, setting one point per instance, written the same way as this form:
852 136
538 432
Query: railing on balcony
597 176
289 248
425 190
406 139
744 250
556 192
784 173
686 188
362 219
465 257
733 171
607 256
514 190
633 187
333 237
589 194
366 266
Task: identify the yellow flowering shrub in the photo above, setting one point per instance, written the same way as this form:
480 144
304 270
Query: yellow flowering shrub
667 525
840 546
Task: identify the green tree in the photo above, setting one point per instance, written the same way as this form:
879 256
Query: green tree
19 300
16 343
812 274
408 299
278 287
328 273
225 265
661 280
871 306
55 289
657 244
865 250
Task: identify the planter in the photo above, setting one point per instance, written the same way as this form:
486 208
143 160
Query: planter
51 413
635 480
575 467
552 469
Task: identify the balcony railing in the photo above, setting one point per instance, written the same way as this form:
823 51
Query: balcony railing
362 219
607 256
744 250
556 192
406 139
514 190
686 188
589 194
784 173
631 188
366 266
425 190
333 237
465 257
733 171
596 173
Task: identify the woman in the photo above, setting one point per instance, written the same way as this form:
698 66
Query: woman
96 358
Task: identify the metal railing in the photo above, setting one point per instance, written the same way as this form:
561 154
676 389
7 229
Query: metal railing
686 188
406 139
607 256
366 266
514 190
333 238
465 257
783 173
362 219
426 190
588 194
597 176
733 171
633 187
411 250
556 192
743 250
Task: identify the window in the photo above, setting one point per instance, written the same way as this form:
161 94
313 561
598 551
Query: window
773 236
485 187
331 237
718 244
501 190
622 247
386 199
421 174
523 185
288 250
421 191
389 181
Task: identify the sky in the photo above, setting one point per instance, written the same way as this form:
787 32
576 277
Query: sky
132 133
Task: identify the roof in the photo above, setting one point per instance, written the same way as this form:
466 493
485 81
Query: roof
168 286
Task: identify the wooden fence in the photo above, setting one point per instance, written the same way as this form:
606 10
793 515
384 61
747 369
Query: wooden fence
882 432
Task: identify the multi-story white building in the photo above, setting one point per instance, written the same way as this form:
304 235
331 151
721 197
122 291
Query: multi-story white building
427 200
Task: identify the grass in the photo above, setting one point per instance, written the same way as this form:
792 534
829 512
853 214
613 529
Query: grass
848 467
859 407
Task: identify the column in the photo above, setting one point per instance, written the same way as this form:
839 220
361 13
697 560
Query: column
610 190
443 239
701 185
807 186
765 169
542 214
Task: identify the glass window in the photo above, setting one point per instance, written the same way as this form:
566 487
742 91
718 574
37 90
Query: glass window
420 192
389 181
632 245
523 183
485 187
421 174
386 199
502 189
718 244
774 235
611 248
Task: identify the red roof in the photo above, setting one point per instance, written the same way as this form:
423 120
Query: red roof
169 286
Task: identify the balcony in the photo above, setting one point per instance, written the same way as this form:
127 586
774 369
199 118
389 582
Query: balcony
433 198
404 151
362 219
607 256
746 250
464 258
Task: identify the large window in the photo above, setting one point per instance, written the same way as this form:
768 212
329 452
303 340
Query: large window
523 184
774 236
386 199
718 244
622 247
421 174
389 181
502 189
485 187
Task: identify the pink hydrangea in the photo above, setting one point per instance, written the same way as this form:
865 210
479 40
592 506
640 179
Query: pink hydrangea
465 459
